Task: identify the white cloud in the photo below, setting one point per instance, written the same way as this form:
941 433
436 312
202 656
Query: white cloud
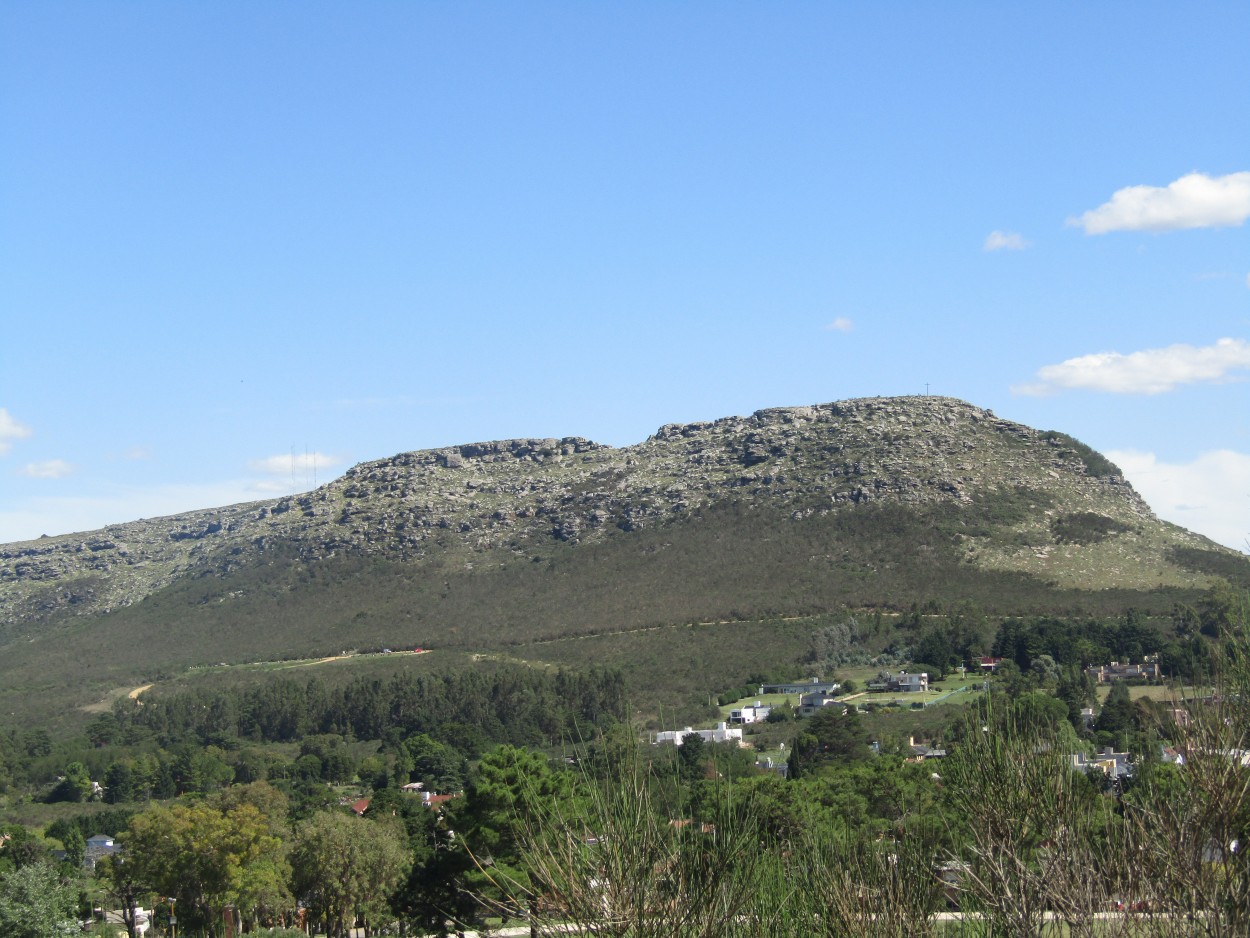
1004 241
49 469
1193 201
1151 371
841 324
287 472
1210 495
298 464
10 430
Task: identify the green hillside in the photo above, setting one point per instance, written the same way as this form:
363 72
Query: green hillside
512 548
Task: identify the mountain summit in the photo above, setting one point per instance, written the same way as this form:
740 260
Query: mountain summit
865 490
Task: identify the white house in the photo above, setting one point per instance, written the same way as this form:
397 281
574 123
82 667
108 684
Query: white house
719 734
751 714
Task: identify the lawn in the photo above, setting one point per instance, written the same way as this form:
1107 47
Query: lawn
1160 692
955 689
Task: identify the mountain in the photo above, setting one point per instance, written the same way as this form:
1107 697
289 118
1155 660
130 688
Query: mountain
879 502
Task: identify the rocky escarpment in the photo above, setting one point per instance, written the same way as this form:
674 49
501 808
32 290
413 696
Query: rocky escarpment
529 496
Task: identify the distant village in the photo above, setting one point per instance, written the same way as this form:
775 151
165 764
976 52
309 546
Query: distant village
814 694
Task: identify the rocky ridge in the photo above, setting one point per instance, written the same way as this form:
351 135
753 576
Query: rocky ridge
527 496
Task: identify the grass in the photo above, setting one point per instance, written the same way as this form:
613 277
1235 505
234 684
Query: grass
944 697
1158 692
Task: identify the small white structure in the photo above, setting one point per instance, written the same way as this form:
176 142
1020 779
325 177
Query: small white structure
720 734
751 714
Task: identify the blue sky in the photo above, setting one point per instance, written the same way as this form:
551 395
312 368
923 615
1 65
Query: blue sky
233 234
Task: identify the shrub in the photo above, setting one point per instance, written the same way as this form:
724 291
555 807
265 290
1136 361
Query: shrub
1096 464
1086 527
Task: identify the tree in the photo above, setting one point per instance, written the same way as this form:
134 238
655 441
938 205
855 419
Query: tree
829 736
1217 611
202 856
935 649
119 782
334 761
1040 712
1117 715
122 885
1045 670
433 894
440 766
37 902
345 868
75 785
19 848
513 786
75 846
1075 691
202 770
103 730
691 757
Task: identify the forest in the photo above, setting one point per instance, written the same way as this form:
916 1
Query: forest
431 803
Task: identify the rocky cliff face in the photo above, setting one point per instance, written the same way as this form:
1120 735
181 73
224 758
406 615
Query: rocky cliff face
530 496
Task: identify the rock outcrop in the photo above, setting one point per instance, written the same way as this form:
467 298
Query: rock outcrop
528 495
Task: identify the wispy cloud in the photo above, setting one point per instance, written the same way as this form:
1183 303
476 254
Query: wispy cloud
1193 201
297 463
1151 371
1210 494
49 469
841 324
1005 241
10 430
288 470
